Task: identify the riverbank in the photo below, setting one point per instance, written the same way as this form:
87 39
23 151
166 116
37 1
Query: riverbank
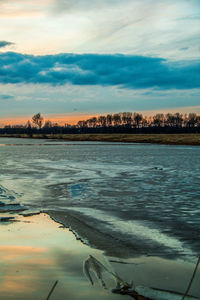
166 139
36 252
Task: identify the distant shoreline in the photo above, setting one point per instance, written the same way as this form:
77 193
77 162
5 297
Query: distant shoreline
192 139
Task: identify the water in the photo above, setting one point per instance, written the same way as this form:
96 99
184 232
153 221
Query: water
145 197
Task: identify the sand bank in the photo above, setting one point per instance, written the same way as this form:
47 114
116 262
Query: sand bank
192 139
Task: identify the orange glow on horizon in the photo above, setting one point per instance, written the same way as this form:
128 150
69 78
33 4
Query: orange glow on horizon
72 119
61 119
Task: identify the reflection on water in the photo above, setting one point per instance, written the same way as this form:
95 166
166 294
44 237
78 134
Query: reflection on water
130 201
36 254
103 274
33 256
146 196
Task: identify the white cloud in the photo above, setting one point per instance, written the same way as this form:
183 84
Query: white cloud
161 28
144 27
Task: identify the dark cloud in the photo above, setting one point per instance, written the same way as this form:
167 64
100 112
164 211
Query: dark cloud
6 97
5 43
128 71
184 48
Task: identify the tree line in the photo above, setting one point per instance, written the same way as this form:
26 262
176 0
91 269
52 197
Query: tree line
137 120
125 122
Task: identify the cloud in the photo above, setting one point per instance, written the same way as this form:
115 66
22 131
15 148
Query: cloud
127 71
80 5
145 27
5 43
184 48
6 97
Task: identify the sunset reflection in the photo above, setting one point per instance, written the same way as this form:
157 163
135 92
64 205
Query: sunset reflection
30 266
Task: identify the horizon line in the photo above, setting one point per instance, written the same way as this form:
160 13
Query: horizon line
73 118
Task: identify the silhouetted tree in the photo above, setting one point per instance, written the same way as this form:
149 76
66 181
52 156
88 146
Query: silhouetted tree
127 118
109 120
102 120
144 122
28 125
158 120
192 119
137 119
125 122
48 124
170 120
178 119
81 123
116 119
38 120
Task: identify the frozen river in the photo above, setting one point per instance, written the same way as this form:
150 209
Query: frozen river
144 196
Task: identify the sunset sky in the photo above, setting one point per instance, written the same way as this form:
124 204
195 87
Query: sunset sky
75 58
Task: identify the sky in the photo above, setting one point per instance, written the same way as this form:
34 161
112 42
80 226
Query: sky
69 59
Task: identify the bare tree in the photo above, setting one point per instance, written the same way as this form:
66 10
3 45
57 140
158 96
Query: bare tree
102 120
117 119
158 120
137 119
48 124
80 124
92 122
170 119
109 120
178 119
38 120
127 118
192 119
28 125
